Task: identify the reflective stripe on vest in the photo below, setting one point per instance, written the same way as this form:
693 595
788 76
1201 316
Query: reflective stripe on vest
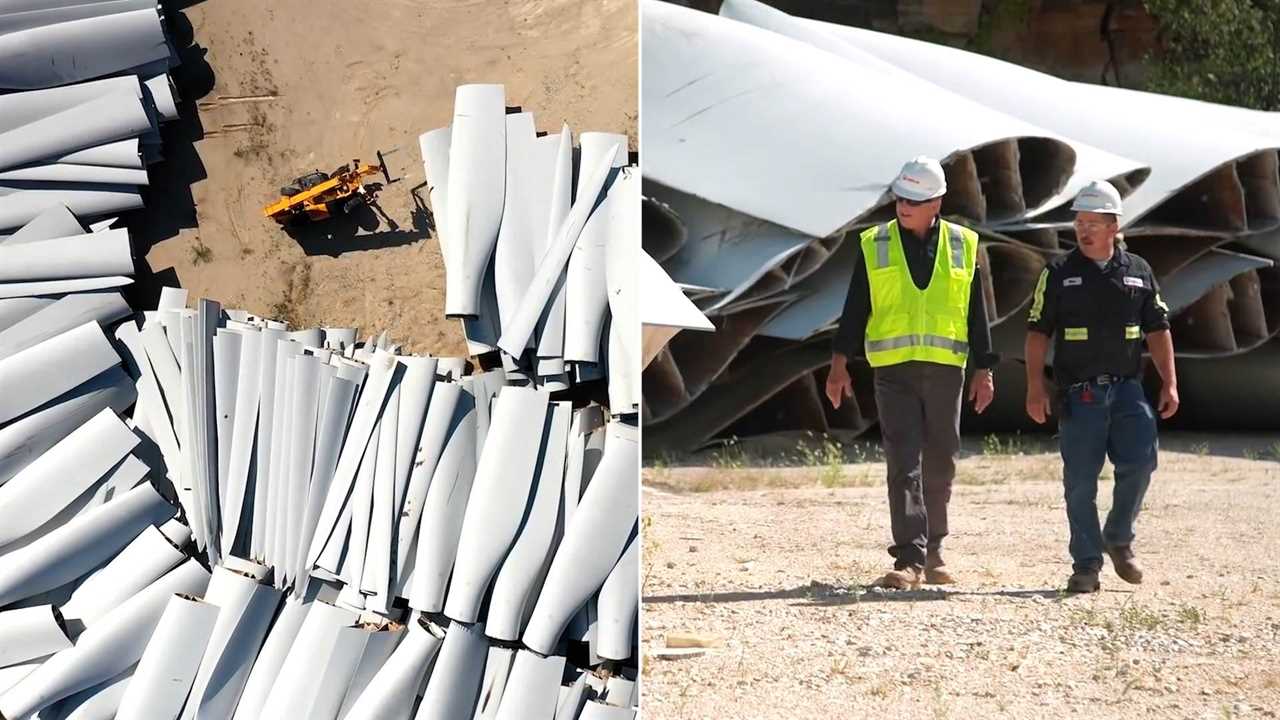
902 341
1037 303
882 247
1075 333
955 238
1132 332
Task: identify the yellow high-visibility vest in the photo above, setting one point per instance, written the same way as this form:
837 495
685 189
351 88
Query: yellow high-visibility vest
908 323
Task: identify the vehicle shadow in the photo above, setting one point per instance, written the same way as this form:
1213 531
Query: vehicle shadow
365 227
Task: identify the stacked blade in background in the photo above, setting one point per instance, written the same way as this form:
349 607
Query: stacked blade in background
74 151
55 275
87 88
209 514
755 192
80 41
529 224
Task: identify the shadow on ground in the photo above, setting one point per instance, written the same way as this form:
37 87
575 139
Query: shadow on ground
823 595
365 227
169 205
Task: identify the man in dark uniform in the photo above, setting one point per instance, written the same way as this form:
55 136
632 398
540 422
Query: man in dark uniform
916 310
1097 303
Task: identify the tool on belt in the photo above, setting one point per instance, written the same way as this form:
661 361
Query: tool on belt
1086 390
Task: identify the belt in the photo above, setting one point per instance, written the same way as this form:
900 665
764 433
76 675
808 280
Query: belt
1104 379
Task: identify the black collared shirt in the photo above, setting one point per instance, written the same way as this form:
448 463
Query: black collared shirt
1097 317
921 254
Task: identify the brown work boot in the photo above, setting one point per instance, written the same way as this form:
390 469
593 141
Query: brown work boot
907 578
1084 581
935 569
1124 564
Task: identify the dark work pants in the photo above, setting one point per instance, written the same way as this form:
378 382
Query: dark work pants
1111 420
919 408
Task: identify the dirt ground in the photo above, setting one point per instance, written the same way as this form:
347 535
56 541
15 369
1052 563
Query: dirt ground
772 561
302 85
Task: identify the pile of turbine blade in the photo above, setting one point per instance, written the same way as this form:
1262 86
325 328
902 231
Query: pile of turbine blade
771 140
209 514
75 148
83 89
537 236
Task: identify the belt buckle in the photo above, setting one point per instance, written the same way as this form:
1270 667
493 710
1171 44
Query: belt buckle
1104 379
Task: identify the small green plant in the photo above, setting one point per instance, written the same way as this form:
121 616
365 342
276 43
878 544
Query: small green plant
805 452
657 470
1252 454
1014 444
1201 448
831 477
201 253
1190 615
1092 617
1274 450
661 459
991 445
729 456
650 546
828 457
1136 617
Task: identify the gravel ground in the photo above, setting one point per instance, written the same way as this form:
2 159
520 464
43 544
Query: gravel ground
777 572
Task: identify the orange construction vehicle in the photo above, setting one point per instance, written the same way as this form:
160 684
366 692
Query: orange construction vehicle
319 195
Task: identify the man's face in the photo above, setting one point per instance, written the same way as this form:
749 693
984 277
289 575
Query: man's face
1095 230
918 213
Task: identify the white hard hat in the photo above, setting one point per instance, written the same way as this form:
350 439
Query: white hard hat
920 179
1098 196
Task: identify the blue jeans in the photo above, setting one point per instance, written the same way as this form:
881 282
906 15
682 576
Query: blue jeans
1106 420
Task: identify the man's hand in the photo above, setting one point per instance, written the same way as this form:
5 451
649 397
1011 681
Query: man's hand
839 384
1038 402
982 389
1168 401
1160 343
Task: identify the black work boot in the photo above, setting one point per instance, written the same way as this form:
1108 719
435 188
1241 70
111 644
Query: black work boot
1084 581
1124 563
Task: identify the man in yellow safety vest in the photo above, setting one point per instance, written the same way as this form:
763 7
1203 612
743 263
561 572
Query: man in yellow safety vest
916 311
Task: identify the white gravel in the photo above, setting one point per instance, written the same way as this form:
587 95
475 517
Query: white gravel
778 573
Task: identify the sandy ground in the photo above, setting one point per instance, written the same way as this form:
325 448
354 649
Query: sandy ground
776 572
302 85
